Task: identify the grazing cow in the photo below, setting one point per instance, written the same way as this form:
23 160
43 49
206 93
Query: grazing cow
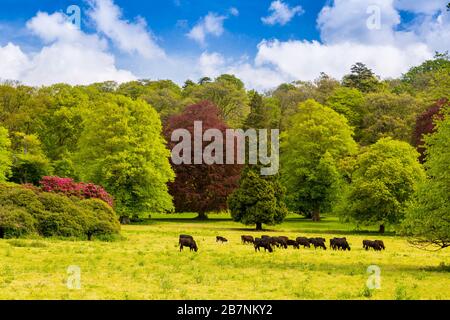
247 239
279 242
318 242
293 243
190 243
221 239
273 241
302 241
263 243
380 244
186 236
339 244
376 245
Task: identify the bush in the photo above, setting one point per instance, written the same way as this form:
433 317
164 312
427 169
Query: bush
25 210
15 222
19 196
102 219
62 217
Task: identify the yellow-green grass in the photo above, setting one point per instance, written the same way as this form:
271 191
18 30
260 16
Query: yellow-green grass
148 265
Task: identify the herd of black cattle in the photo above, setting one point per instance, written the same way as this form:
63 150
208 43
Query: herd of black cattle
269 243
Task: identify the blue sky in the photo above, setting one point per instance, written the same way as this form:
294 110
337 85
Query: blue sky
264 42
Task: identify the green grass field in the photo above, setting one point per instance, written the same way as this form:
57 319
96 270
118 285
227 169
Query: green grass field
148 265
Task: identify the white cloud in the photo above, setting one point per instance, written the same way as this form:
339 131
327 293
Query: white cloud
211 24
305 60
346 20
12 62
69 56
421 6
127 36
281 13
234 11
210 64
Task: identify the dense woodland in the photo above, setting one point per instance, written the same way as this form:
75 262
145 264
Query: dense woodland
372 151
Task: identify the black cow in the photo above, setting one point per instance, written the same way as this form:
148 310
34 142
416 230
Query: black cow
273 241
247 239
263 243
302 241
339 244
279 242
221 239
380 244
186 236
293 243
376 245
318 242
190 243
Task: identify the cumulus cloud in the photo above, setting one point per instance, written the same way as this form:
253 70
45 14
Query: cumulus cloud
12 62
69 56
281 13
347 38
211 24
127 36
305 60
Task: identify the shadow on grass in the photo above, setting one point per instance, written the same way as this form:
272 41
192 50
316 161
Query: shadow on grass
299 225
442 267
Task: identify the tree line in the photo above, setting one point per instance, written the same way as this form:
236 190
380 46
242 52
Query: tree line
348 146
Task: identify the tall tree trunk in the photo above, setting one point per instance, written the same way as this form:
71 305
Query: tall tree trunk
381 230
316 215
258 226
2 233
202 216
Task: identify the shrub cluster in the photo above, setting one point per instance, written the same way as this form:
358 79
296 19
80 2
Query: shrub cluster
26 211
70 188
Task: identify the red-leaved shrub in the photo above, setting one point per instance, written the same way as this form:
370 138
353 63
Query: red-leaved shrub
69 188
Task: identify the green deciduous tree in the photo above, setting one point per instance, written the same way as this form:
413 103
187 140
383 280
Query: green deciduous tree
29 161
389 115
228 94
427 219
349 102
316 140
121 148
386 175
5 155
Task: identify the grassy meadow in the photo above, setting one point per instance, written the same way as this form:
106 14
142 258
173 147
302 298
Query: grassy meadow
146 264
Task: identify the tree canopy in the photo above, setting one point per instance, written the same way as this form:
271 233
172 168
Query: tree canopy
200 187
316 139
386 175
121 148
427 218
